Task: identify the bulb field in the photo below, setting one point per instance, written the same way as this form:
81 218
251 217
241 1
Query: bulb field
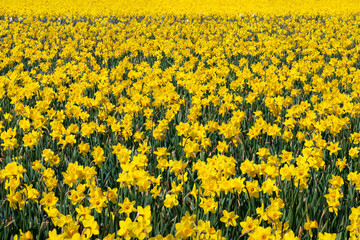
179 120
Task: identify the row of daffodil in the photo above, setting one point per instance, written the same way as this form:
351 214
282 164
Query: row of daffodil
58 8
176 127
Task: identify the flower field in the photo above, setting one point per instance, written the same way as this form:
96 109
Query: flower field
179 120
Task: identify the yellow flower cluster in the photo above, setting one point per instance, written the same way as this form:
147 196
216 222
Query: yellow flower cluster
217 120
55 8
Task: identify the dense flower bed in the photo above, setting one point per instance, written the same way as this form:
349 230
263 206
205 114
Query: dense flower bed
170 126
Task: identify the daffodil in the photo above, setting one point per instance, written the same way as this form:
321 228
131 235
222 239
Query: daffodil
309 225
229 218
